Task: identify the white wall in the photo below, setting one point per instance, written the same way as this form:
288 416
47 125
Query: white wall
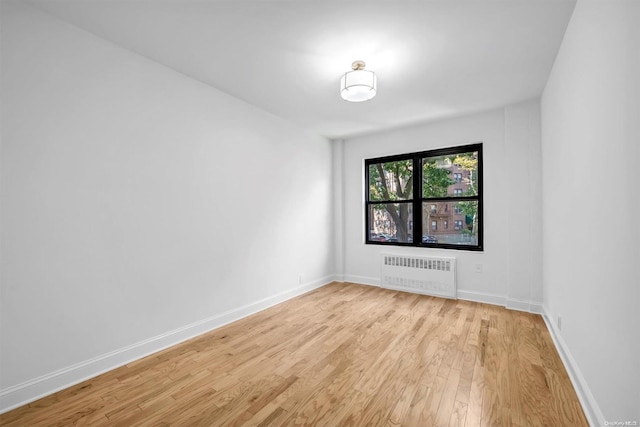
590 161
511 259
139 207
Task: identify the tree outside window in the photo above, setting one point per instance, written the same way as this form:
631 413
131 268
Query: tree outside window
423 184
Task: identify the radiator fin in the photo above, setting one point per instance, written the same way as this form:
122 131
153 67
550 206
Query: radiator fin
424 275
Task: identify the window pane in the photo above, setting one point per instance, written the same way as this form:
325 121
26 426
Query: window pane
391 180
451 175
391 222
442 186
463 218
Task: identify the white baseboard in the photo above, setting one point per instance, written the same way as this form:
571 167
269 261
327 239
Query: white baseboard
362 280
536 307
486 298
522 305
592 411
338 278
482 297
37 388
45 385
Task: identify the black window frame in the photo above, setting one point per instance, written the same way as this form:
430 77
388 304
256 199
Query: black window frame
417 200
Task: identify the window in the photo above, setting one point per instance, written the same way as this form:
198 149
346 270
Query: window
408 195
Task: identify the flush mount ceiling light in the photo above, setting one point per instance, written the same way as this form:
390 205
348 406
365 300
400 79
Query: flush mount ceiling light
358 85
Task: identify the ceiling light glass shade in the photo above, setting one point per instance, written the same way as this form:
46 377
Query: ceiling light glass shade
358 85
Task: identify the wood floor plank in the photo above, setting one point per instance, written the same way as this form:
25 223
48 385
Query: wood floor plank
458 415
447 399
343 354
432 402
474 406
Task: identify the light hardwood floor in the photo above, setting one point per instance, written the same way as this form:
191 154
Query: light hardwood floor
342 355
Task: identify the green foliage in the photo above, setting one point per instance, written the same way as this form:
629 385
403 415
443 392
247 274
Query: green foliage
469 162
435 180
469 209
391 181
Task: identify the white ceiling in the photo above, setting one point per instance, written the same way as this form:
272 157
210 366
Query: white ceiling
433 58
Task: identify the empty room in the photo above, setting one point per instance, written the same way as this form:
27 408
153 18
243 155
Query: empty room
331 213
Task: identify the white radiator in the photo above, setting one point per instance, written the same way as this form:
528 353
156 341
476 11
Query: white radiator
423 275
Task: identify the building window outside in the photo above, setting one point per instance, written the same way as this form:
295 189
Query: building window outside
408 194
